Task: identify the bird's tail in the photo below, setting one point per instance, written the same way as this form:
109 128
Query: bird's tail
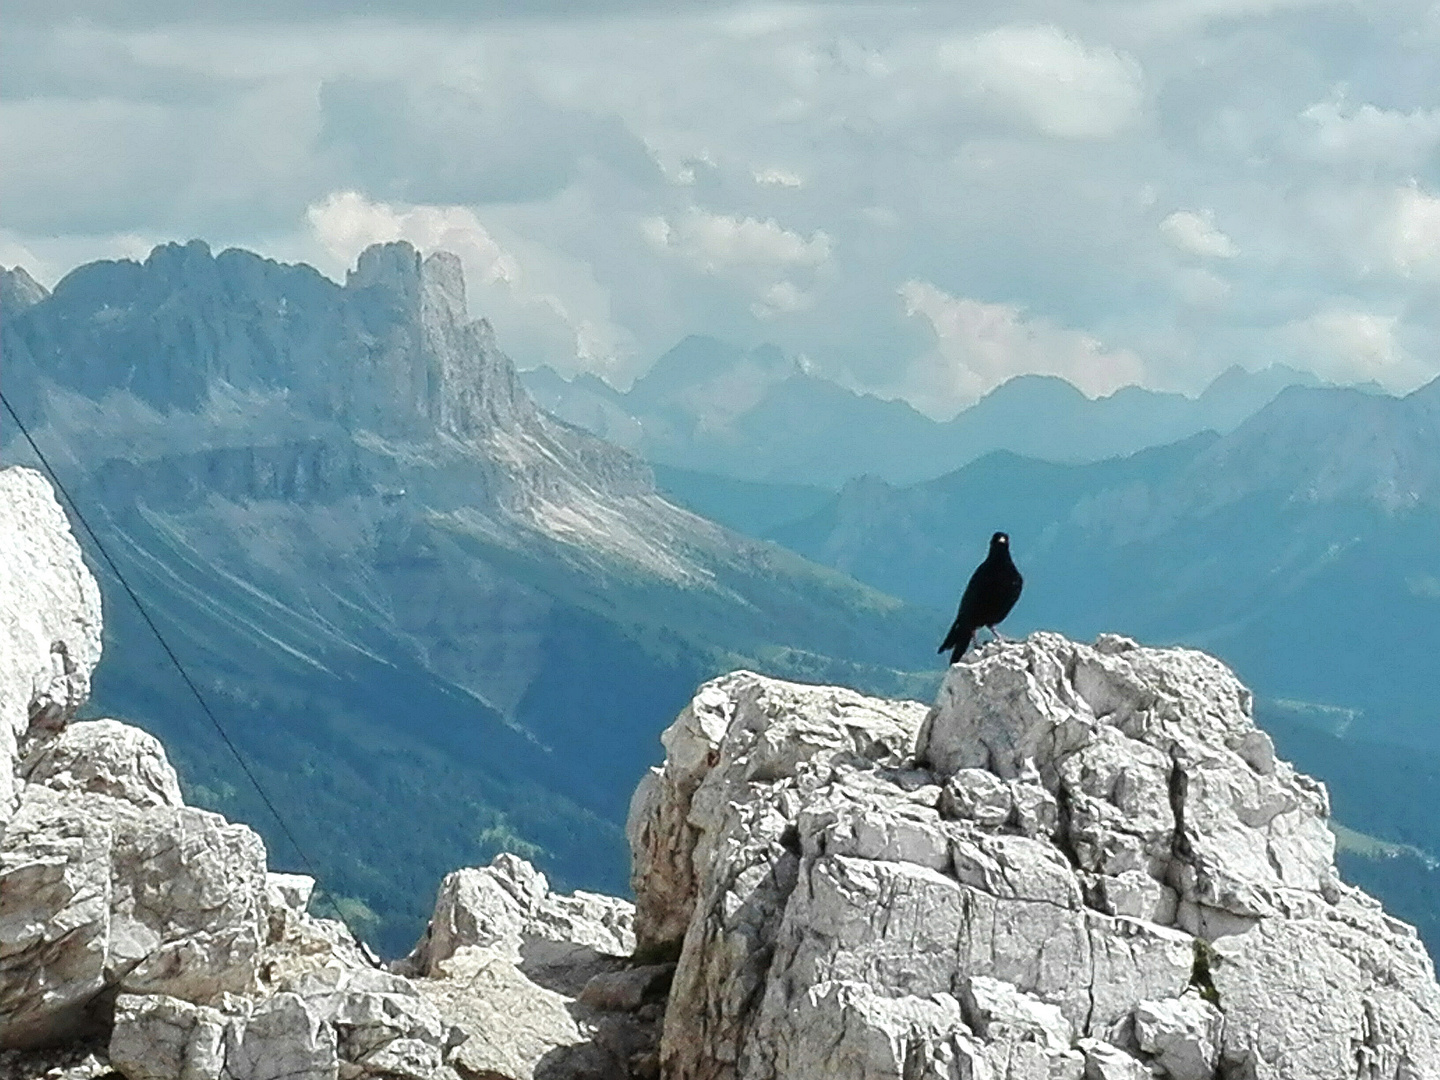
962 647
958 640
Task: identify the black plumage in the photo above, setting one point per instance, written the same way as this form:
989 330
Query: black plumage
991 593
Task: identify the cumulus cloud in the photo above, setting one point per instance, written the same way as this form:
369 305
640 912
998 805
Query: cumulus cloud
1410 233
758 255
782 298
346 222
1057 82
1196 233
979 345
715 243
1349 344
1369 135
773 177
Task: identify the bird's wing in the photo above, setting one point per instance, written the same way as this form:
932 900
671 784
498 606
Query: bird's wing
965 618
971 598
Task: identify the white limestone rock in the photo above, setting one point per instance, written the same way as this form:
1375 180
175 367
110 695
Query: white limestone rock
535 985
96 893
509 1027
289 892
848 1029
1046 875
105 757
334 1025
997 1010
1181 1035
161 1038
383 1025
1106 1061
508 906
49 620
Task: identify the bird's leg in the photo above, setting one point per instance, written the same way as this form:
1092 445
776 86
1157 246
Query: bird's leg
995 635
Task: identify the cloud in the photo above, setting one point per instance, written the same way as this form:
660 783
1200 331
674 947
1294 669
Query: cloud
1196 233
1410 233
773 177
1057 82
979 345
782 298
1369 135
716 243
346 223
762 257
529 316
622 175
1347 344
1199 288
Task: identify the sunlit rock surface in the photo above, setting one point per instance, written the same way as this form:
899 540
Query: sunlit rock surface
1084 861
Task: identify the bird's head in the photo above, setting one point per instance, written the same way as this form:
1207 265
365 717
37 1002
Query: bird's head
1000 541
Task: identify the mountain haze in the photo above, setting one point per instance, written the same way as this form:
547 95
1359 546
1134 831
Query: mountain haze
1304 547
757 415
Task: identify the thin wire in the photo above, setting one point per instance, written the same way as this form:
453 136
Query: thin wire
199 698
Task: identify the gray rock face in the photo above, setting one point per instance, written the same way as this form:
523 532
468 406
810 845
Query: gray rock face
535 985
1084 861
49 620
99 894
105 757
508 906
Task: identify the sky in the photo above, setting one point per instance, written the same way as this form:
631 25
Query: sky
921 201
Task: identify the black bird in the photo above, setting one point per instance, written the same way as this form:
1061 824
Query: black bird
992 592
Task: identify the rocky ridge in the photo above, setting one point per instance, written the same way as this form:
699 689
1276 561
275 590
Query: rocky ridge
1083 863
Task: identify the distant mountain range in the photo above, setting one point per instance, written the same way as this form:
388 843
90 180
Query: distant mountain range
756 414
438 621
1303 547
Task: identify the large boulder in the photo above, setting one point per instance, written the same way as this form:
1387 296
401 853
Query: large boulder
98 895
1084 861
105 757
108 882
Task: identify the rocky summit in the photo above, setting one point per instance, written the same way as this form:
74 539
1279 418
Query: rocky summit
1084 862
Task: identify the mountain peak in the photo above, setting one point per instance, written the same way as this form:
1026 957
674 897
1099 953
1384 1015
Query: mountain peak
442 278
1033 388
394 267
18 290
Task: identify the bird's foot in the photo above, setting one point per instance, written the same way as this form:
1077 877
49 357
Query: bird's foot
995 635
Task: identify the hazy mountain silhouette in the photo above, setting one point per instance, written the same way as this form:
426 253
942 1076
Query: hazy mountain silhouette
710 406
